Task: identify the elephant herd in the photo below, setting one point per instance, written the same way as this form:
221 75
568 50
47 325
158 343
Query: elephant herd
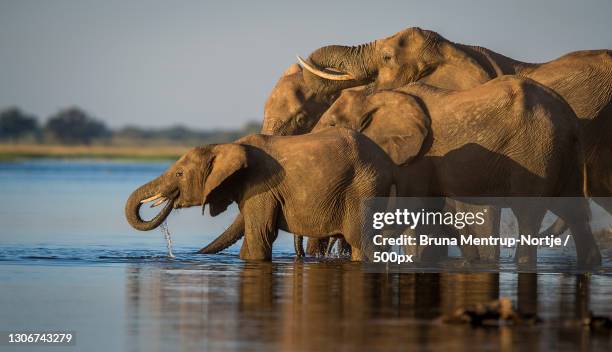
414 113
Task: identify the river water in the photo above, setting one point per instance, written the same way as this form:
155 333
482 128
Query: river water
69 261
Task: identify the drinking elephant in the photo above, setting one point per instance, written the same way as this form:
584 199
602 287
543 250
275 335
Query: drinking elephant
582 78
291 109
308 185
299 98
509 137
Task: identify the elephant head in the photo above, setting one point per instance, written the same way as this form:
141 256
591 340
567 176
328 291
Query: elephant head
408 56
292 107
193 180
394 120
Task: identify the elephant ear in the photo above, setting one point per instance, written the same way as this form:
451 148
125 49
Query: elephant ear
396 122
227 160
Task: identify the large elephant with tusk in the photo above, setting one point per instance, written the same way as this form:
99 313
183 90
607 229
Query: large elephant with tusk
300 97
582 78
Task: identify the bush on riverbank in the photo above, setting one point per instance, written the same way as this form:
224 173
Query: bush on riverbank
75 127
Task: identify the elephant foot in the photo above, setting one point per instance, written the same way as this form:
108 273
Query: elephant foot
357 255
526 256
298 244
255 257
330 246
526 260
590 260
316 247
344 249
246 254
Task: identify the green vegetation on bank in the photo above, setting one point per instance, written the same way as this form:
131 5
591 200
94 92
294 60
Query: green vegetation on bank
72 133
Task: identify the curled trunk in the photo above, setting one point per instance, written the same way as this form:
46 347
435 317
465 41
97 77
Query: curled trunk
133 204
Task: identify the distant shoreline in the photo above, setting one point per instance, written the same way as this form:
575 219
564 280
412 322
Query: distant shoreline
11 152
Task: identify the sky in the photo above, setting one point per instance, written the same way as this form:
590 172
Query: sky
211 64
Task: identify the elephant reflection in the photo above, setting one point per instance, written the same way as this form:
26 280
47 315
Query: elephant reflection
339 306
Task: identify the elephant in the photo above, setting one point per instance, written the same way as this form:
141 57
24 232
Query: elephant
582 78
510 137
300 97
290 109
309 184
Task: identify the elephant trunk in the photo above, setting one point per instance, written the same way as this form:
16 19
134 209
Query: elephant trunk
135 201
357 62
227 238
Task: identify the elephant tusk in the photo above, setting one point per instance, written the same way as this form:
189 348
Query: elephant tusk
339 76
161 201
151 198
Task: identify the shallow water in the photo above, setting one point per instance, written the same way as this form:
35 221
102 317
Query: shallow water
69 261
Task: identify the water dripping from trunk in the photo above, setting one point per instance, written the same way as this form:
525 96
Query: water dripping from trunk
166 232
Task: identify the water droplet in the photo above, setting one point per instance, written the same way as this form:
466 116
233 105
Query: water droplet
166 232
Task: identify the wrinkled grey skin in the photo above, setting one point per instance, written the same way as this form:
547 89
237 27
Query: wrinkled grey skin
464 143
269 178
291 109
582 78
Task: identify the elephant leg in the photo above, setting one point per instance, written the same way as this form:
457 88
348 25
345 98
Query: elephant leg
298 244
577 217
343 247
529 222
490 227
357 254
315 247
260 228
360 240
330 246
598 153
489 254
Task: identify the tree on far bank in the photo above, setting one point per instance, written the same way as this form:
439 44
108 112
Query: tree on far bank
15 124
74 126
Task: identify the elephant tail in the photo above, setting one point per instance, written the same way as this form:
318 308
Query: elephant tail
230 236
580 151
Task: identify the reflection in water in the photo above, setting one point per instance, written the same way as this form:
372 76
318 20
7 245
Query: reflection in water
60 271
336 305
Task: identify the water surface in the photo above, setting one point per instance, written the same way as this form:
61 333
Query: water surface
69 261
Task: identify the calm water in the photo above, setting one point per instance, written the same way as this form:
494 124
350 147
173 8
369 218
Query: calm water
69 261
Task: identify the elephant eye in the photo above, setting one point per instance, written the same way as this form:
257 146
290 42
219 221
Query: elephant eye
333 120
300 118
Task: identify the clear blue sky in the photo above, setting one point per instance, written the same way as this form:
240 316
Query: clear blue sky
209 64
